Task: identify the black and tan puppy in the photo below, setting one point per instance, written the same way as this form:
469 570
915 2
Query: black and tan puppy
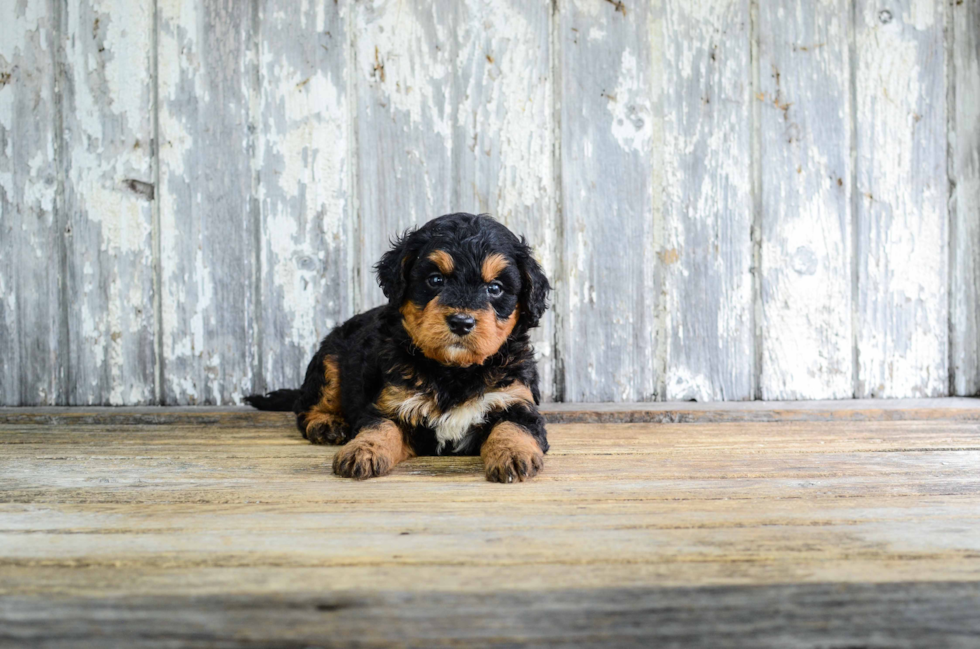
445 368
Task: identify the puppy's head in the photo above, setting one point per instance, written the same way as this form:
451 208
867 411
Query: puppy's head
463 284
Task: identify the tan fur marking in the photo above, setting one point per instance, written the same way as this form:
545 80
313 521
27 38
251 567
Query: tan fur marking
490 332
324 421
406 405
443 261
519 391
374 452
493 265
428 329
511 453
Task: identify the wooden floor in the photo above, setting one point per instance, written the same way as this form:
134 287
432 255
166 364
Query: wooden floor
786 525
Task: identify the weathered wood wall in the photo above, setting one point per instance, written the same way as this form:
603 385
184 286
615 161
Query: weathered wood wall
735 199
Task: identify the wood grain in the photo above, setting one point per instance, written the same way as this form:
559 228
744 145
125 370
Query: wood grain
806 254
707 251
302 183
901 238
404 123
33 323
907 615
618 136
503 133
208 229
964 169
952 409
109 193
217 533
605 286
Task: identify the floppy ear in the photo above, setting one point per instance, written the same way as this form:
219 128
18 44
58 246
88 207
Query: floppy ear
393 269
534 287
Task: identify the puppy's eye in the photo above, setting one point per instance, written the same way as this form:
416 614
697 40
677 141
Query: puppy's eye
495 289
435 280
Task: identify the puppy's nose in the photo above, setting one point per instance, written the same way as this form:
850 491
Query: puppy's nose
460 323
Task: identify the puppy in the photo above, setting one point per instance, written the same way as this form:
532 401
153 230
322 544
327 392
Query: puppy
444 368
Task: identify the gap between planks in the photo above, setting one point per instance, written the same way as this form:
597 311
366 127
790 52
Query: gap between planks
951 408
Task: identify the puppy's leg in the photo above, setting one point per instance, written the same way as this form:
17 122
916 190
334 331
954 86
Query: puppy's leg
323 423
324 428
373 451
511 452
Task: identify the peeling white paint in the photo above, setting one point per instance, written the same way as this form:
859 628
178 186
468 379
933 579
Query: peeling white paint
30 340
632 123
405 122
404 58
964 141
921 14
456 110
302 149
503 137
204 364
607 126
108 129
586 9
127 54
806 251
40 193
706 253
902 207
686 386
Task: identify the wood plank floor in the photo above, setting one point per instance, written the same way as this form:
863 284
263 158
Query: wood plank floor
824 525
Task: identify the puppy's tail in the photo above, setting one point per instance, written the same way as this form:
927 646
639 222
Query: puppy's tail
275 400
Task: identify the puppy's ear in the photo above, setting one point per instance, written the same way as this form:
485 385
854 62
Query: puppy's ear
393 269
534 287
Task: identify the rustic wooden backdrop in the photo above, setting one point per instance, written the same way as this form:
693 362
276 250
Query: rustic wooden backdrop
736 199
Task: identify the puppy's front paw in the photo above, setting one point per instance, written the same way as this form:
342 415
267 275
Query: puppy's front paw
511 454
373 452
362 459
325 433
514 464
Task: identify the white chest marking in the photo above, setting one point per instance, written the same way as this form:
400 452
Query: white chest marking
453 425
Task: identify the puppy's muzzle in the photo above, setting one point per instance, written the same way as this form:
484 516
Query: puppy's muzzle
460 323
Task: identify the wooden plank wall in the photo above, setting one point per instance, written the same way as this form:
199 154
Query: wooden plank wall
107 105
33 313
803 100
963 94
901 244
735 199
707 253
607 297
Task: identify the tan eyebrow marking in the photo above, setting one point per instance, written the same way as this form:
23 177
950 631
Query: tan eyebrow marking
443 261
493 265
